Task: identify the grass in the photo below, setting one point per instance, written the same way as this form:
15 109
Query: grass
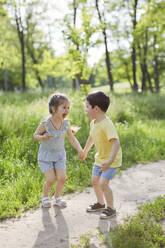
139 119
142 230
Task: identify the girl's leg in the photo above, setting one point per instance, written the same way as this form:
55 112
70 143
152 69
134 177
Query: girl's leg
61 178
97 189
50 179
104 186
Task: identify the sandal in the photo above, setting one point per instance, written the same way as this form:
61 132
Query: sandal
46 202
95 207
59 202
107 213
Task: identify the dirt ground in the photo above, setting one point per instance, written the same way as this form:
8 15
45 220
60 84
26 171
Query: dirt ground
59 228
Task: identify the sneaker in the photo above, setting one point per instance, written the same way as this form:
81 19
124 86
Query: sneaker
95 207
107 213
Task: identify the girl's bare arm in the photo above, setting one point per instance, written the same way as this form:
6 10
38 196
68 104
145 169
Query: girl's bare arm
40 133
74 142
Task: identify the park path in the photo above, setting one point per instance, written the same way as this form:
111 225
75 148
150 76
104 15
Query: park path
59 228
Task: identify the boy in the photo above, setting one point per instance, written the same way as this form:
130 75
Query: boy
109 155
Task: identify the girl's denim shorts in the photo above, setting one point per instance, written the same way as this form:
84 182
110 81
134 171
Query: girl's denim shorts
49 165
109 174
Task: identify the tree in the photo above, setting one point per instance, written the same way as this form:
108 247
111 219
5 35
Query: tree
79 41
149 37
107 54
10 56
34 41
21 35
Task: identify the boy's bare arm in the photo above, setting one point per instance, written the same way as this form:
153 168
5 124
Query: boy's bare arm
40 133
74 142
114 151
87 147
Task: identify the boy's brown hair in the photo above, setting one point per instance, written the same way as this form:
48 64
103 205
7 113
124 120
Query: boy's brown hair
99 99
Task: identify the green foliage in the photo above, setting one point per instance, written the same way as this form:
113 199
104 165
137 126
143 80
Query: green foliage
81 33
79 41
142 230
84 241
140 121
10 60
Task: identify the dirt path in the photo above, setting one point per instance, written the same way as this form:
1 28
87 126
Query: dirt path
59 228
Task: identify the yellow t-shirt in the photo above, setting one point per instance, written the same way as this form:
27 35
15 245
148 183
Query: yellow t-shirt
101 134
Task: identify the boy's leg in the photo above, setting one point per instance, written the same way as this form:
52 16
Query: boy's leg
104 185
107 192
97 189
99 195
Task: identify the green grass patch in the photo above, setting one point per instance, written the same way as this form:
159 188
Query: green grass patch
142 230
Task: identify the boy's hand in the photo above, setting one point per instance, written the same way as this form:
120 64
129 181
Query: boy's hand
105 166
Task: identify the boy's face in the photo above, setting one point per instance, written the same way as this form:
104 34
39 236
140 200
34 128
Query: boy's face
91 111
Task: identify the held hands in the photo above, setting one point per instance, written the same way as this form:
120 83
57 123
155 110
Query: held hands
82 155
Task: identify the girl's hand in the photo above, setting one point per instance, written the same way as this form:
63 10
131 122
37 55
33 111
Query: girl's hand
75 129
45 137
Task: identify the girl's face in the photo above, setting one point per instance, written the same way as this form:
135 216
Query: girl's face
63 110
91 111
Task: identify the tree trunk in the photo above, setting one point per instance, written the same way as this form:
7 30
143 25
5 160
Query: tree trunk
23 63
156 70
143 70
74 84
20 31
107 60
74 23
149 81
135 85
39 79
5 80
127 73
35 62
76 80
143 64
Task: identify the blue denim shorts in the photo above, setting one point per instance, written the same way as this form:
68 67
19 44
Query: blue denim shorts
49 165
109 174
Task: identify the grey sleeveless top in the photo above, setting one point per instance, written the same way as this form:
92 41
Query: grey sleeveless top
53 150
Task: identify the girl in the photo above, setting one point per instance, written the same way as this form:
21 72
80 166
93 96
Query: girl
52 156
